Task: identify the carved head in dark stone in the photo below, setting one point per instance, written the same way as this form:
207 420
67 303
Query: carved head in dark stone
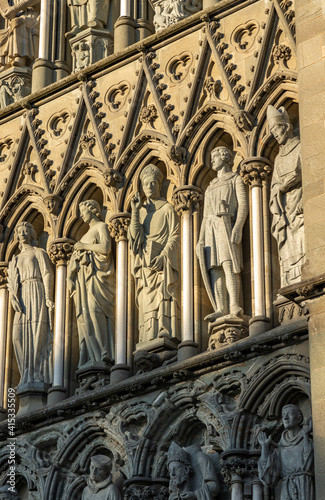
292 416
179 467
100 468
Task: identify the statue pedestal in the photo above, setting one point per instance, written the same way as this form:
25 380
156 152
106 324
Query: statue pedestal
93 376
158 345
15 84
226 330
90 46
32 397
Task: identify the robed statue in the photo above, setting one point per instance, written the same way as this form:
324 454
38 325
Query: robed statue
87 14
154 240
219 247
91 280
99 482
286 197
31 286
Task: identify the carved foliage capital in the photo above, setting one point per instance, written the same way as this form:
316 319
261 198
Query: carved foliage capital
118 226
3 274
255 170
60 251
186 198
237 467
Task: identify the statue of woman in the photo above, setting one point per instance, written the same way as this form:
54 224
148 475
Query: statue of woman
154 241
30 283
91 280
292 459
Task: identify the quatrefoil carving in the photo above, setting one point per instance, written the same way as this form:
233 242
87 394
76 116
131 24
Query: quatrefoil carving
244 36
117 95
58 123
178 67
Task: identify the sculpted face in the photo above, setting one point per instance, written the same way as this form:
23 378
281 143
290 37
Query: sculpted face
290 418
220 157
280 132
151 187
178 473
86 213
23 235
97 473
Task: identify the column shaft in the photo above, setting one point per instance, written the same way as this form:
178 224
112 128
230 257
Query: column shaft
121 303
237 491
59 334
257 490
44 35
3 341
187 278
258 251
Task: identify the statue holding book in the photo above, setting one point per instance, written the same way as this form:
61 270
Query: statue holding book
154 240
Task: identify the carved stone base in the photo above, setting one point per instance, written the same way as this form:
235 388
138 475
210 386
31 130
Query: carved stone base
158 345
119 372
289 311
186 350
89 46
92 377
15 84
56 394
226 330
143 488
258 325
32 397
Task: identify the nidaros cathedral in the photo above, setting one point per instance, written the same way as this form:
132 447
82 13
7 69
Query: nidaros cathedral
162 250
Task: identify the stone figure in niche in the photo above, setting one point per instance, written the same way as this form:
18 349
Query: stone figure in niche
99 482
31 286
219 246
286 198
91 281
82 56
291 460
87 14
192 474
19 41
154 239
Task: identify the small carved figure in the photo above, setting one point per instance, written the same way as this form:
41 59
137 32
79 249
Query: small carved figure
99 482
154 240
31 286
291 460
19 42
192 474
91 280
6 95
219 246
87 14
286 198
82 56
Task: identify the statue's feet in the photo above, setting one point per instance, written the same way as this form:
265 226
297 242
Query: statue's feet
213 316
95 23
163 333
236 310
18 62
75 30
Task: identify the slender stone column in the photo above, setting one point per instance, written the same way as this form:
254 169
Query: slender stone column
124 29
42 68
254 171
118 226
60 252
257 490
3 334
184 200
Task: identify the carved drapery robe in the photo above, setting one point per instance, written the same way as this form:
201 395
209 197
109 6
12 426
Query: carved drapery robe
102 491
156 290
83 11
32 336
287 210
292 462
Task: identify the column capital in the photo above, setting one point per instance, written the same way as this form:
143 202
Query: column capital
60 251
3 274
118 225
255 170
186 197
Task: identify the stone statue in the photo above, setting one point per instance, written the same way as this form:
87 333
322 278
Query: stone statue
154 240
91 281
19 41
31 286
87 14
291 460
286 198
99 482
219 246
82 56
192 474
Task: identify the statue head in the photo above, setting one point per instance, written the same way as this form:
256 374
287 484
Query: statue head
292 416
25 234
90 206
179 466
279 124
151 179
220 156
100 468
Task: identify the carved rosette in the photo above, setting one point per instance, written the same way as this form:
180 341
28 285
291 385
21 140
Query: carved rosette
60 251
187 198
255 170
3 274
118 226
